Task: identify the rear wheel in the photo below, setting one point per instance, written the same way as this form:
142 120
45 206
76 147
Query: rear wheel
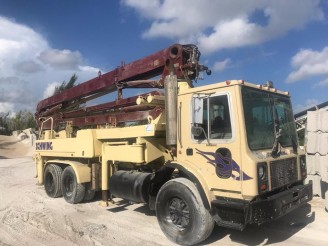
326 197
52 180
72 191
181 213
89 193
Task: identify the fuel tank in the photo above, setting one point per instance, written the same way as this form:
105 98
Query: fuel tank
130 185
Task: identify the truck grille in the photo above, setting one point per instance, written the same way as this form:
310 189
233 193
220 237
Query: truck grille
283 172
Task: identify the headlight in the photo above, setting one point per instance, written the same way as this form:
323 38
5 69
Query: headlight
303 162
303 166
262 171
262 177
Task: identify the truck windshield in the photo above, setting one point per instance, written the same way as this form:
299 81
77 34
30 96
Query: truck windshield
266 114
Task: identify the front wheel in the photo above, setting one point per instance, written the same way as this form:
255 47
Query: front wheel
72 191
181 213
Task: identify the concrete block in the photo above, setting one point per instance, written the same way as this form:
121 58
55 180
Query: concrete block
312 121
311 145
313 163
323 168
317 142
317 165
323 117
322 143
310 164
316 184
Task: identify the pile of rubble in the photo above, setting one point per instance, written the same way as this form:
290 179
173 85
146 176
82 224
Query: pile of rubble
27 137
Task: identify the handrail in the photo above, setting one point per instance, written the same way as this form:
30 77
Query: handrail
43 120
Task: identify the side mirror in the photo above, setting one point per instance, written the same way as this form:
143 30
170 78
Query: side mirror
198 110
196 130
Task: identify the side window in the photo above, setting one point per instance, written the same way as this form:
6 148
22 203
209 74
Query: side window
219 113
216 122
204 123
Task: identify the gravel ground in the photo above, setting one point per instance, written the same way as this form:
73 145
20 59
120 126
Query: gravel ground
29 217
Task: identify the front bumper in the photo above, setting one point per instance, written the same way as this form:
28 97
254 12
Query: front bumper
279 204
233 213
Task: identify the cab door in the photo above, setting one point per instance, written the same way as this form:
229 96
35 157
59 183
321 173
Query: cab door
212 145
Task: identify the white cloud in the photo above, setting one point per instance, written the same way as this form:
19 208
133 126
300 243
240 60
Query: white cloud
308 104
16 91
216 25
221 65
29 66
49 91
17 43
61 59
322 83
6 107
88 69
308 63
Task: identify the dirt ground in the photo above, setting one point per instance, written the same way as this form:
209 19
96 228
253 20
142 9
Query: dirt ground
29 217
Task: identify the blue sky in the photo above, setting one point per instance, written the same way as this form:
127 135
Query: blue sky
44 42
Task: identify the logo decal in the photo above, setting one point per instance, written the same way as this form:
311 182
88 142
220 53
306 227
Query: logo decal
225 167
44 146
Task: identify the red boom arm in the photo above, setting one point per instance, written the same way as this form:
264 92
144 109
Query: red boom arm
181 60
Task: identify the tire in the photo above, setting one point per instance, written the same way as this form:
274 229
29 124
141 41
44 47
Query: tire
52 180
181 213
72 191
326 198
89 193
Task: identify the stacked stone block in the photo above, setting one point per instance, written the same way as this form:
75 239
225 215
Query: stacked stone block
317 152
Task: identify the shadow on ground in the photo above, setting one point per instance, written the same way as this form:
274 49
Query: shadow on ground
4 144
272 232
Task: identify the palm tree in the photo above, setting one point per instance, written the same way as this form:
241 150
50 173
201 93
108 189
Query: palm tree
65 86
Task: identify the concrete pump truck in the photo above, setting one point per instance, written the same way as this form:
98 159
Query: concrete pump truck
225 153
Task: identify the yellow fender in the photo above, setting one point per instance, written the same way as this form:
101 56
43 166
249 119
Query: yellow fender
82 171
196 177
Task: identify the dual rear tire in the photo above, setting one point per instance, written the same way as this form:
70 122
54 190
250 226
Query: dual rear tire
52 180
72 191
58 182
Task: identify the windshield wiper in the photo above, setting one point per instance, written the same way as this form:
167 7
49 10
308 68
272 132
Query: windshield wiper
277 133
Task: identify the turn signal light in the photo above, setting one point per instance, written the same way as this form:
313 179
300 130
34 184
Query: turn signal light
263 187
304 174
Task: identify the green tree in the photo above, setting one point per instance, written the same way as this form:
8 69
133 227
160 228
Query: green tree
22 120
4 123
65 86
